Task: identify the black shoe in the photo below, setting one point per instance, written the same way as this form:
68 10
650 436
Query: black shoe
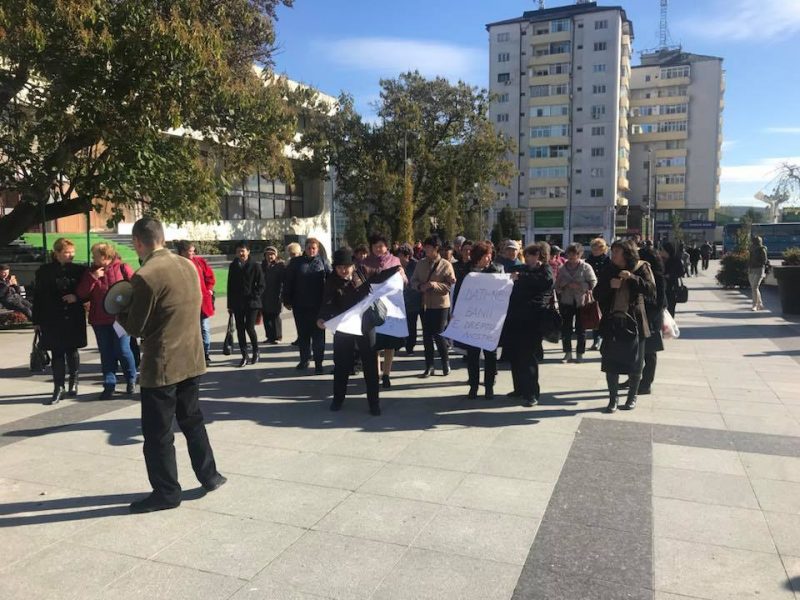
630 404
386 382
489 392
130 388
273 342
625 384
336 406
446 369
410 353
294 343
106 394
72 390
208 360
302 365
426 373
152 503
244 361
513 394
375 410
612 406
216 482
644 391
318 370
58 395
473 393
254 359
528 402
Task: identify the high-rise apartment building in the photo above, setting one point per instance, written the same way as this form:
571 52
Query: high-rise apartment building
676 142
560 77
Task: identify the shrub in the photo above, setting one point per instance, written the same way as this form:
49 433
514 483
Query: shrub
791 257
13 319
733 270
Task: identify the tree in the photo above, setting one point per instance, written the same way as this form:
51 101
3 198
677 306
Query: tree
677 232
506 227
137 102
405 219
441 128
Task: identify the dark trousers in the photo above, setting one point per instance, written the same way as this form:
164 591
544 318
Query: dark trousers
705 263
159 407
434 322
273 328
246 327
571 317
63 360
521 351
411 320
694 267
309 336
114 349
649 370
474 367
345 348
634 377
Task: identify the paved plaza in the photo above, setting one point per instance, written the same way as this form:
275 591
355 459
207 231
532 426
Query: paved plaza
694 494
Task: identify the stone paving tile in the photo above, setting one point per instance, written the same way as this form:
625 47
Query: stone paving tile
697 459
379 518
382 446
777 496
762 443
157 580
710 488
333 565
785 530
611 450
548 586
774 425
523 464
415 483
268 591
502 494
427 451
252 460
761 466
428 575
330 471
718 573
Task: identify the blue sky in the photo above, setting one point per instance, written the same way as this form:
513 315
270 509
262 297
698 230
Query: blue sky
348 45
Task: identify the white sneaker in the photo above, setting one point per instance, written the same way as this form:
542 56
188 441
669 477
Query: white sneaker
567 358
754 309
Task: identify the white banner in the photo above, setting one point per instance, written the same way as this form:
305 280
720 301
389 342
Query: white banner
480 310
391 293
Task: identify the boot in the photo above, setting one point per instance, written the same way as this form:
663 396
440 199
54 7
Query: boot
336 405
445 367
567 357
107 393
72 391
58 395
489 391
612 405
631 402
386 381
375 409
473 392
244 361
130 388
579 358
426 373
255 358
529 402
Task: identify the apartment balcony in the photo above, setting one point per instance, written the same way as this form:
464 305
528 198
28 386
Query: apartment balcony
546 202
671 204
623 184
623 118
548 79
664 153
624 163
549 182
677 170
659 137
671 187
545 100
624 102
624 142
558 161
557 120
660 118
547 38
622 201
549 59
671 82
549 141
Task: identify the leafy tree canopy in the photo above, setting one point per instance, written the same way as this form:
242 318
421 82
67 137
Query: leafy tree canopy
89 88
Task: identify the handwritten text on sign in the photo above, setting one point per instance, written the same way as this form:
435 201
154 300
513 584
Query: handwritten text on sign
480 310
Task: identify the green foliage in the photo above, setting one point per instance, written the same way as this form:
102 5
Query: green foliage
677 232
791 256
506 227
733 270
442 128
405 218
90 88
356 232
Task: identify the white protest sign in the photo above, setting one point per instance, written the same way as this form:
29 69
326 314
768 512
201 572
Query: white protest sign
391 293
480 310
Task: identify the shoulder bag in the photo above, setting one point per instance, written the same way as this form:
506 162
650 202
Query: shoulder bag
39 358
681 292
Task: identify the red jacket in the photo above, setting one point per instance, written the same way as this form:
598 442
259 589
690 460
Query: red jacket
93 290
207 282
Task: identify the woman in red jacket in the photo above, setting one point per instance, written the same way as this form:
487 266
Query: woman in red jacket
106 270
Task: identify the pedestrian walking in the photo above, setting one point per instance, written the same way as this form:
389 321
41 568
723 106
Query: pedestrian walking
411 296
106 270
654 306
756 270
705 254
434 278
575 280
60 318
686 259
165 303
207 282
530 299
245 287
694 259
673 272
622 291
273 270
302 294
598 259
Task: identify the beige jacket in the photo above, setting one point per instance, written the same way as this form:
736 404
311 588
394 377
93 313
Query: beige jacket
443 277
165 313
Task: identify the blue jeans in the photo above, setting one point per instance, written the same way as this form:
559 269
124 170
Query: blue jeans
114 349
205 330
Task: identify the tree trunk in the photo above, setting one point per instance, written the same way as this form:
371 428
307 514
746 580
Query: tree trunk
27 214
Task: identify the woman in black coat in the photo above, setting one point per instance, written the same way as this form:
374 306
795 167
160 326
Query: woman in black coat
527 309
673 272
59 316
480 261
624 288
245 286
273 269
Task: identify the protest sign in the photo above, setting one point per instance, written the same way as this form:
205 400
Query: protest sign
480 310
391 293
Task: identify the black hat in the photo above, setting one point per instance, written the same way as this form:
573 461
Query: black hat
343 257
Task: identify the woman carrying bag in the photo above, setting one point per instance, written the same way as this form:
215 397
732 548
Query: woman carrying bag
575 278
624 288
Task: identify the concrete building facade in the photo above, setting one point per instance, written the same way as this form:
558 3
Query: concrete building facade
677 100
560 78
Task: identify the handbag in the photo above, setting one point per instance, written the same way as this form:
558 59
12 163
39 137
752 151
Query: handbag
39 358
590 313
549 322
374 316
681 293
227 345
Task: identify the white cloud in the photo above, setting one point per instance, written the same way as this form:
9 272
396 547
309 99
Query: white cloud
789 130
391 56
761 172
766 20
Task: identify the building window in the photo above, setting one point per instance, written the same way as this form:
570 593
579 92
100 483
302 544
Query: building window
598 151
503 98
675 144
598 111
503 77
548 192
548 172
261 198
599 89
600 130
601 24
502 118
559 25
550 131
597 172
550 110
601 68
675 179
671 161
560 48
670 196
539 91
503 37
596 192
600 46
675 72
558 69
561 89
504 57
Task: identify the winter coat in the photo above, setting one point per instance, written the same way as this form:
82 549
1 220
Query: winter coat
412 297
758 257
655 310
673 271
93 290
63 325
440 273
304 282
532 294
245 285
207 282
274 274
706 250
598 263
583 275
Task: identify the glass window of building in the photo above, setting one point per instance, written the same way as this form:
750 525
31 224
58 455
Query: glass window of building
559 25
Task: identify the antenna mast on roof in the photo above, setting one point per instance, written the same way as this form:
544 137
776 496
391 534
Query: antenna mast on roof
541 4
663 30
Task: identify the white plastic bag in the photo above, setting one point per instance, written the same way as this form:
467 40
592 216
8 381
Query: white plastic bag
670 328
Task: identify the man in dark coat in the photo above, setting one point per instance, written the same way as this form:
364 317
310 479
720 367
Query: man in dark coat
274 271
164 306
11 293
705 254
245 287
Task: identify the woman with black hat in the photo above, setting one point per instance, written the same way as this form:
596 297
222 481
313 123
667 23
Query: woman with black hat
346 287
